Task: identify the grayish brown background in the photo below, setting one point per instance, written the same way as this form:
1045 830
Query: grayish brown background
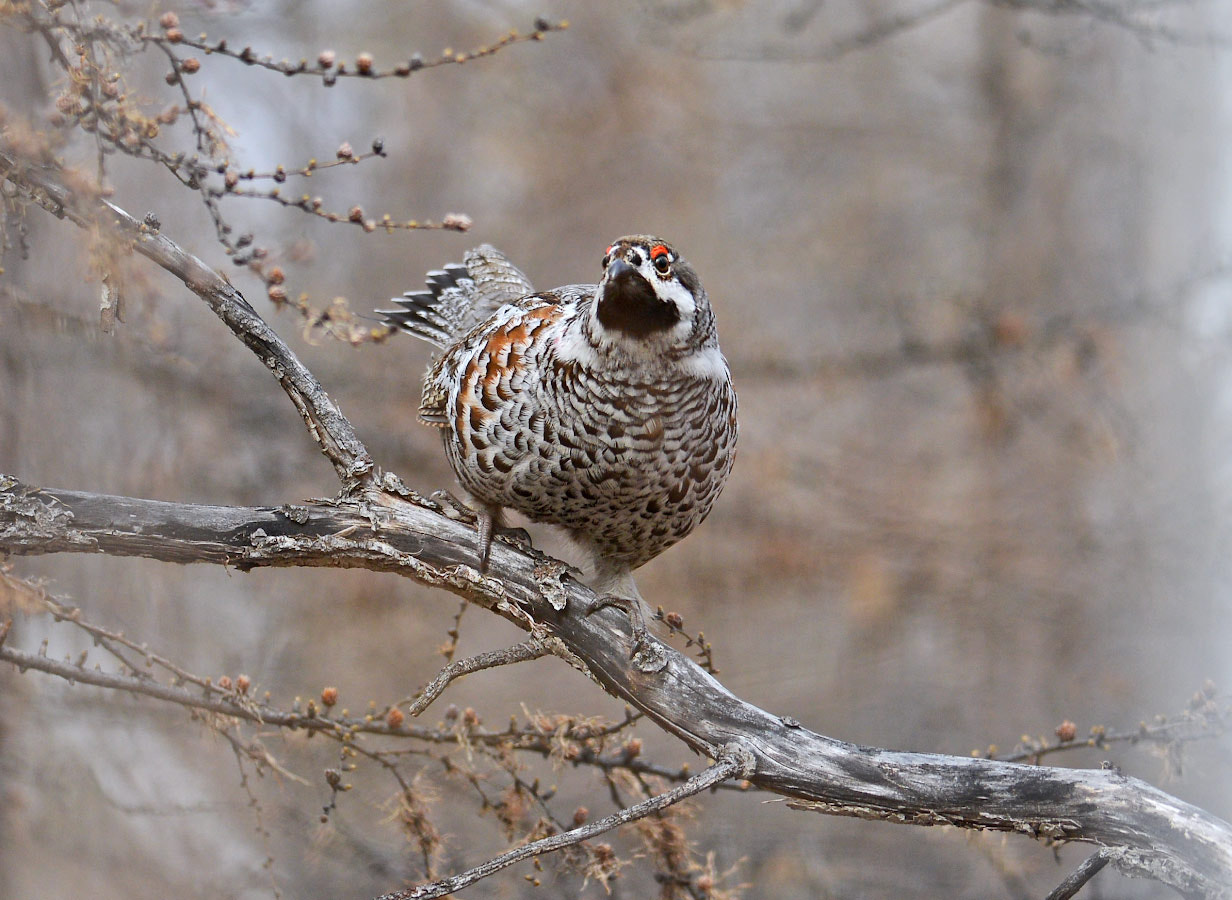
923 546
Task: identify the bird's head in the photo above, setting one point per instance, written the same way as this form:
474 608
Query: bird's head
649 294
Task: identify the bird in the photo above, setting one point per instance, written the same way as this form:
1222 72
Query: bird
605 409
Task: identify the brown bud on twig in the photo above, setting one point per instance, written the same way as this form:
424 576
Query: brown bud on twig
394 718
344 151
363 63
1067 730
169 20
329 696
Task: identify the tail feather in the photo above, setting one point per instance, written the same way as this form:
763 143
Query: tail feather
497 282
458 297
436 314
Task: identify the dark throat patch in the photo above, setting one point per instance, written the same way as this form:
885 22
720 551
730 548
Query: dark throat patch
629 304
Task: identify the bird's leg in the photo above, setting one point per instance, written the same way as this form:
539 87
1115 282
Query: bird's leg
489 517
615 586
460 511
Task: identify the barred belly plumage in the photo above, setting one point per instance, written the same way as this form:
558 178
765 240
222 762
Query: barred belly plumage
632 466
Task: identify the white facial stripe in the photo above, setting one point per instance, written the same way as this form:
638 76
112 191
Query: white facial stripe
676 292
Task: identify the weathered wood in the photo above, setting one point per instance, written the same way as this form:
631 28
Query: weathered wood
1146 831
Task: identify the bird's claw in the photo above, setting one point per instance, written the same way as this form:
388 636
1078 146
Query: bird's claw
486 520
515 536
644 650
453 508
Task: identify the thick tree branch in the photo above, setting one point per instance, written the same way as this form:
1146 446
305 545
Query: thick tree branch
328 426
1146 831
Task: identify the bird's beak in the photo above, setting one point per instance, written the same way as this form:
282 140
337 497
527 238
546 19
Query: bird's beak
623 285
628 303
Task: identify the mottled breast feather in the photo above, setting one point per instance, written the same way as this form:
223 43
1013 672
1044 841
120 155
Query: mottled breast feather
489 358
630 462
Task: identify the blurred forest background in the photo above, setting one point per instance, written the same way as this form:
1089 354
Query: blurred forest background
970 266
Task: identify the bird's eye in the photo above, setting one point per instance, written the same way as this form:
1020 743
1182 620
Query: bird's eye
662 258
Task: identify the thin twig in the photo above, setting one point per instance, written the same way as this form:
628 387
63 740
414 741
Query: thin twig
451 648
1080 876
732 761
329 70
241 707
534 648
1200 722
254 803
65 612
675 625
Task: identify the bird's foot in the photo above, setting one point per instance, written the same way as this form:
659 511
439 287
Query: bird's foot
453 508
515 536
644 650
490 526
486 519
